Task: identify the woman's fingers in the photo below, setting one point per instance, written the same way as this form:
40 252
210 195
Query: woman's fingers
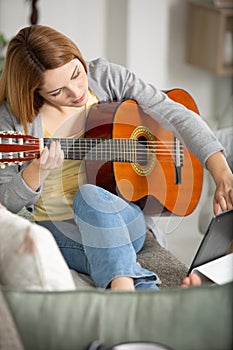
52 157
223 201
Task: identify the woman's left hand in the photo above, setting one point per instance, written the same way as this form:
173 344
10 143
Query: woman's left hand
223 177
223 197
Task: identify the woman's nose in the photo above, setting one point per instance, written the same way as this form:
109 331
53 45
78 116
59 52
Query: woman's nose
74 91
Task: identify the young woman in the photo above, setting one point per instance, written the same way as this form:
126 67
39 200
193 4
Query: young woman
46 90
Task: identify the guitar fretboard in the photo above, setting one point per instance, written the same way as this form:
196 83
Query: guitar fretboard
117 150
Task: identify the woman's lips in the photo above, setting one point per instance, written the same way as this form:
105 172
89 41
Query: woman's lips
80 99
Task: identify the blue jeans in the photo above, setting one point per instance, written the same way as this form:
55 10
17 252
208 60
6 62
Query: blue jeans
104 237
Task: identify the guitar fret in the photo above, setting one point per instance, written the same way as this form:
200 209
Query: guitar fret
84 154
116 150
107 153
121 150
131 150
96 153
67 148
107 148
94 147
112 150
80 149
108 144
120 141
104 149
93 155
85 148
133 153
128 151
88 150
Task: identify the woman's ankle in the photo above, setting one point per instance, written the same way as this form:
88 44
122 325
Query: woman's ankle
122 283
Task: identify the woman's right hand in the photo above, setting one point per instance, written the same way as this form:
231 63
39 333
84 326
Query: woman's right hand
37 171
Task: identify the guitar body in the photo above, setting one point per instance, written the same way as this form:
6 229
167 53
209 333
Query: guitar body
152 184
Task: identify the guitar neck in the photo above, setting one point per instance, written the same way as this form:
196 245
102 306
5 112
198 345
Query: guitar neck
15 148
116 150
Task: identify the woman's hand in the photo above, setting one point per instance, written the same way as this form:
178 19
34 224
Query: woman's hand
51 158
37 171
223 197
223 177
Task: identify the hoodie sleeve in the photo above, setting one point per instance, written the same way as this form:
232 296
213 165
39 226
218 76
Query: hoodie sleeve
14 192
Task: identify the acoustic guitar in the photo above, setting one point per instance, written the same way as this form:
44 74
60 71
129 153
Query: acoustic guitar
128 153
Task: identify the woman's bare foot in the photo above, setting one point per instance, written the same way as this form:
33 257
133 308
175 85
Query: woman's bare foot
191 280
127 283
122 283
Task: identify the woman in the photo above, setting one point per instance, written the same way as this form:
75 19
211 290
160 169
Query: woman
46 89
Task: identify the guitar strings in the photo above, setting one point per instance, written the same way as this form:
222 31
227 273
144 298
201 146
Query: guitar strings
119 148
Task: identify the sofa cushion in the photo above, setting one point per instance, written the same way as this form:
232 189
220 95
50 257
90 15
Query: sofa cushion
9 335
185 318
29 256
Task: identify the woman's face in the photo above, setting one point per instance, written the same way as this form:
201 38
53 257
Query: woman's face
66 85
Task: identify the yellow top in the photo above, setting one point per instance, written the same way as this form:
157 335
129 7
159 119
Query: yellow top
59 188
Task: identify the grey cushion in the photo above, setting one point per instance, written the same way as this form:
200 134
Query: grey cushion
9 337
197 318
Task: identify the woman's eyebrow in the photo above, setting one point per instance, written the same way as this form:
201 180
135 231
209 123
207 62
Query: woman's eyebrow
74 72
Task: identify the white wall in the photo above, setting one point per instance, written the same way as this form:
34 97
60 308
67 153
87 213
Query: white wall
156 51
83 21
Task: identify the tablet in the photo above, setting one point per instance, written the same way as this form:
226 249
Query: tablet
216 241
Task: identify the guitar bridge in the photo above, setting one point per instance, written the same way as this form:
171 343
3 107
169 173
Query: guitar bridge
179 156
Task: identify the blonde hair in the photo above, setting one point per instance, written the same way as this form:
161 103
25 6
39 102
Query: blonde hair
30 53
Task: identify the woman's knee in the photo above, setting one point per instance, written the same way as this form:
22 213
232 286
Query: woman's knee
93 203
95 198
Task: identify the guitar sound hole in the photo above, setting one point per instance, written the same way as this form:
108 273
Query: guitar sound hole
142 151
